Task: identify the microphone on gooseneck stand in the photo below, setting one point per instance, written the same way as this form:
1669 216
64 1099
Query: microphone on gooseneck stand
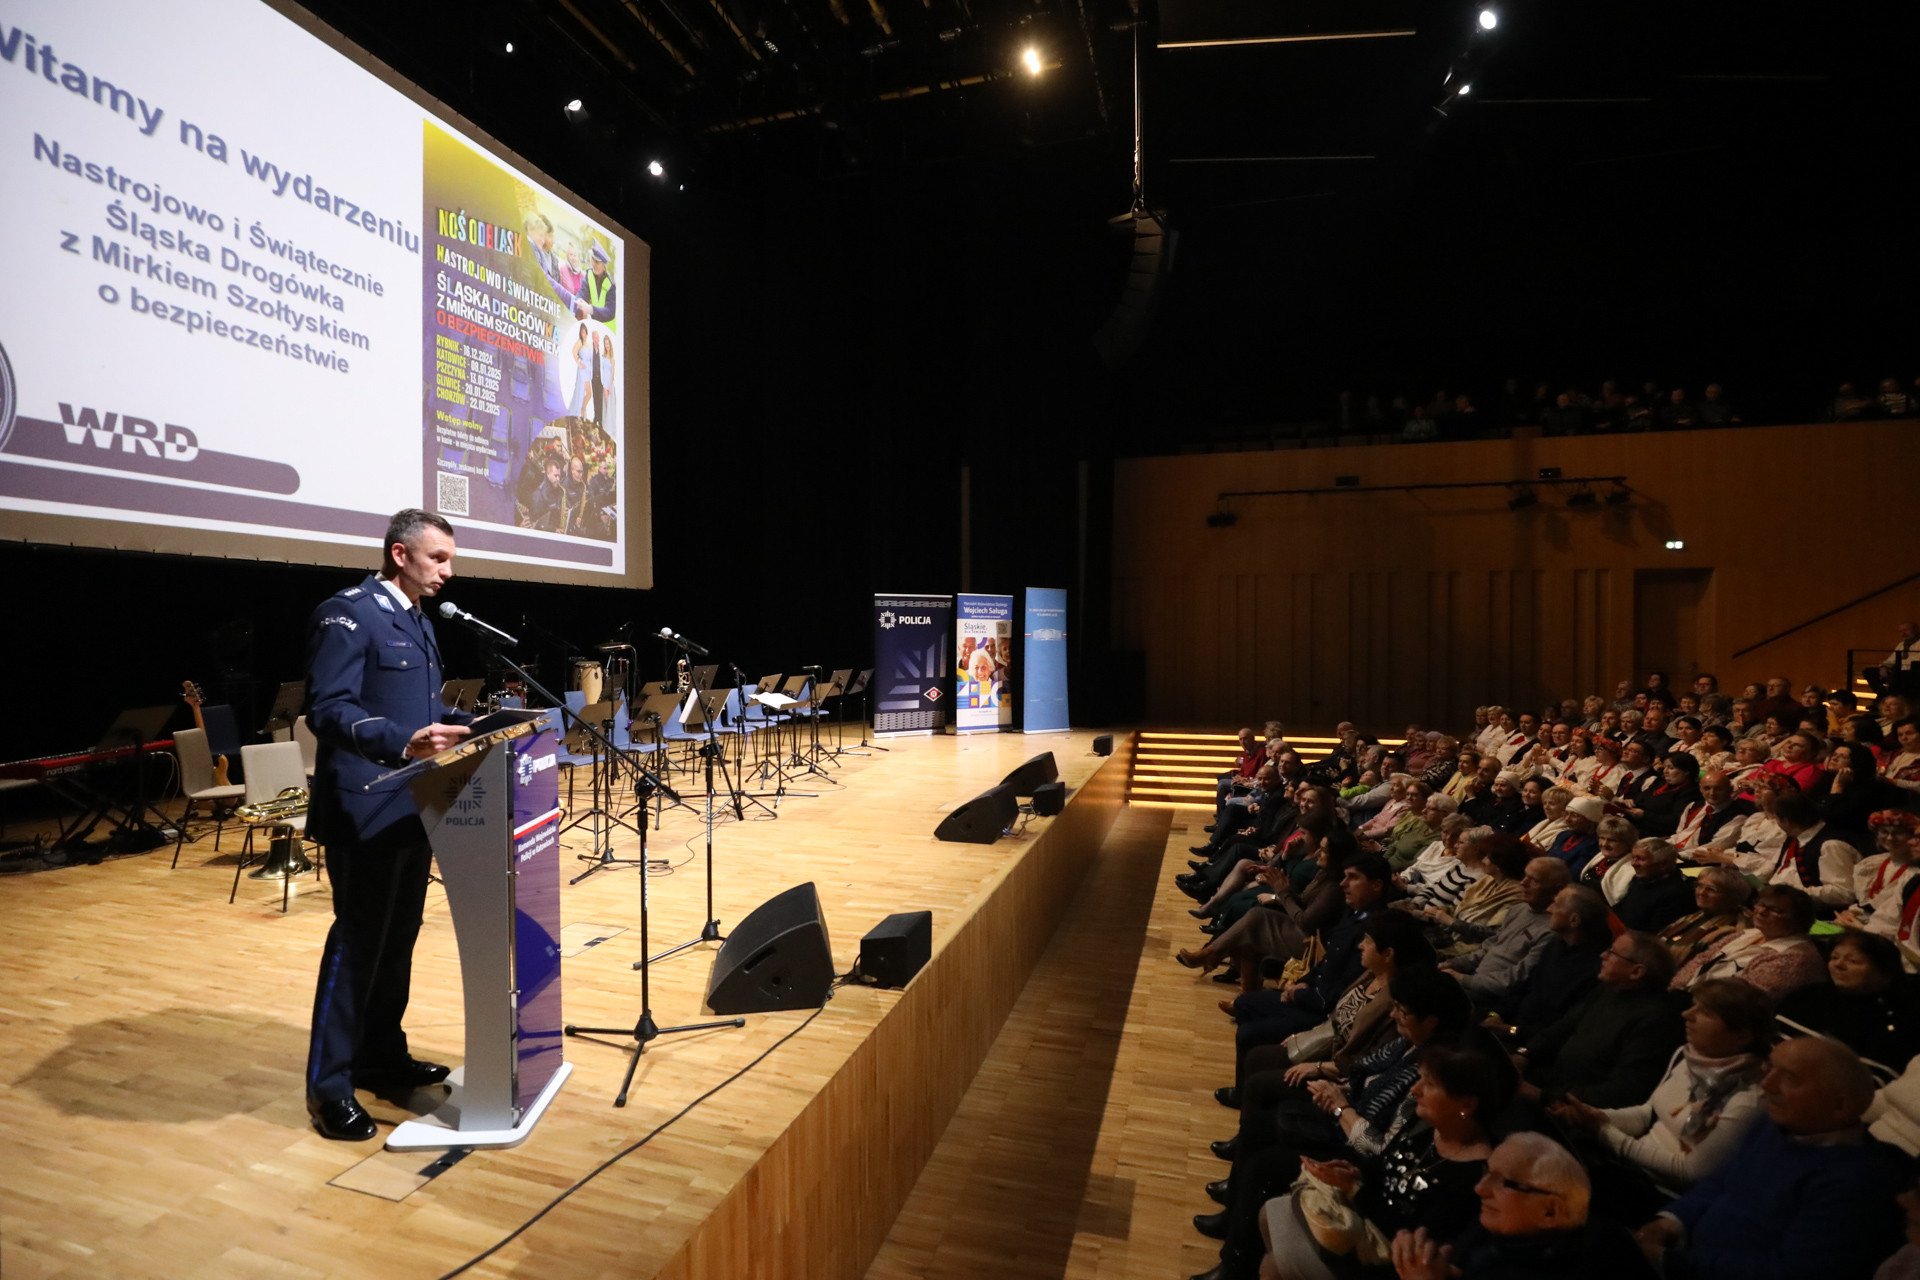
452 611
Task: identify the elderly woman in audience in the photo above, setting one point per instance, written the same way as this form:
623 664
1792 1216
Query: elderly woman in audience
1715 747
1610 869
1775 954
1466 770
1750 760
1446 754
1695 1117
1446 874
1657 894
1797 756
1341 1220
1576 843
1590 711
1437 855
1609 776
1411 836
1553 815
1483 905
1720 896
1868 1003
1396 807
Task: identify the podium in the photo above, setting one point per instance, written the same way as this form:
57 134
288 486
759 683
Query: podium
491 808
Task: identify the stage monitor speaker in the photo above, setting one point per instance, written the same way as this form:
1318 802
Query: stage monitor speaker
982 819
1031 774
1049 798
1103 745
776 958
897 948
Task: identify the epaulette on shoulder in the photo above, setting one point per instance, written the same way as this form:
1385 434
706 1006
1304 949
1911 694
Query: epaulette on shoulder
351 593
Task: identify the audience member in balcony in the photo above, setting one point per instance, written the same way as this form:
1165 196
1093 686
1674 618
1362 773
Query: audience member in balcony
1884 883
1774 954
1816 858
1892 400
1502 861
1578 842
1714 821
1678 413
1899 671
1720 899
1848 405
1657 800
1611 1048
1509 954
1714 410
1869 1003
1657 894
1568 966
1641 1154
1807 1193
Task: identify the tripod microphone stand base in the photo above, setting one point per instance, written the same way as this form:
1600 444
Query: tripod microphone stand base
711 933
644 1032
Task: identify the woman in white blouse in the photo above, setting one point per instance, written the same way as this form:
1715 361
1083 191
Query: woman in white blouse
1554 802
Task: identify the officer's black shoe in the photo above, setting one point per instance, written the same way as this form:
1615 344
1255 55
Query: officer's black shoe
1217 1191
342 1119
1211 1225
1227 1150
1228 1095
400 1077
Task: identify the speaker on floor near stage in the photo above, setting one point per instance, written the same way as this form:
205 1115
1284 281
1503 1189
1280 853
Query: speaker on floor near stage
1103 745
897 948
981 820
1049 798
1031 774
776 958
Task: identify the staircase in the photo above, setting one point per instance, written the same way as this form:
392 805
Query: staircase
1177 770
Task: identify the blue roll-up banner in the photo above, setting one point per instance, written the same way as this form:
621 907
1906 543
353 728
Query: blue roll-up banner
910 664
983 663
1043 661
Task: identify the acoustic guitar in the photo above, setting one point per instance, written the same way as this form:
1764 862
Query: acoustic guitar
191 693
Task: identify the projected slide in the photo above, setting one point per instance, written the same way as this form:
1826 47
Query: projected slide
255 292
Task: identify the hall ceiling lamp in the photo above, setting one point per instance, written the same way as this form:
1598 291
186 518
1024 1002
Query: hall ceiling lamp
575 108
1031 60
657 169
1489 19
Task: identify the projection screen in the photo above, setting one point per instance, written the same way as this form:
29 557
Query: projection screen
260 293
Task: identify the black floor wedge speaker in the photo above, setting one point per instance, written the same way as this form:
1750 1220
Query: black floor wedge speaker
776 958
982 819
1023 780
1049 798
898 948
1103 745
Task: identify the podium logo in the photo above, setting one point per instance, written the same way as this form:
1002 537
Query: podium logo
475 798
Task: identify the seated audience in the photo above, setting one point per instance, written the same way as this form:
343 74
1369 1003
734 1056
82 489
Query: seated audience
1775 954
1553 819
1695 1117
1612 1047
1503 861
1656 809
1657 894
1868 1003
1577 843
1815 858
1440 856
1611 868
1714 820
1720 898
1533 1225
1884 884
1509 954
1568 967
1808 1192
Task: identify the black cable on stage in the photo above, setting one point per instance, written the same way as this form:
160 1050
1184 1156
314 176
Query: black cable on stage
618 1156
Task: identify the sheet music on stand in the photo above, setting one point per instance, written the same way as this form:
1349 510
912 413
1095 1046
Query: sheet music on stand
777 701
499 726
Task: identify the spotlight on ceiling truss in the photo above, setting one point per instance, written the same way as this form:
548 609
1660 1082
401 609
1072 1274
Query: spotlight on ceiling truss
1620 496
1489 19
1523 497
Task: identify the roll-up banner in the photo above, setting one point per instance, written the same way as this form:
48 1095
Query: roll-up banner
1042 658
910 662
983 661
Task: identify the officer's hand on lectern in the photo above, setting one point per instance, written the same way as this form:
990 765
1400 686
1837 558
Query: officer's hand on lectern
435 738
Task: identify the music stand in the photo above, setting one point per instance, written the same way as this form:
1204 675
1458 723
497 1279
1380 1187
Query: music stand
287 701
581 738
703 676
460 695
704 708
859 686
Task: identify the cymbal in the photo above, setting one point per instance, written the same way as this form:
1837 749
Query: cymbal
611 646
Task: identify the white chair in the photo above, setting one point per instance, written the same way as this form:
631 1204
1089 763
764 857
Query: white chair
196 784
271 767
309 745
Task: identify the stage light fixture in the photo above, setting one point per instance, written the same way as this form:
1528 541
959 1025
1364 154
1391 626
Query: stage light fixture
1549 473
657 169
1582 498
1464 89
1032 58
1489 19
1674 544
509 46
1221 520
1620 496
1522 498
575 107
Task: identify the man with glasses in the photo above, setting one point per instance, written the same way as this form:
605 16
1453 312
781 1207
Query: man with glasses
1612 1048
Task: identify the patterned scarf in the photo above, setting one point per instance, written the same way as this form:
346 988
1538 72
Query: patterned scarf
1711 1081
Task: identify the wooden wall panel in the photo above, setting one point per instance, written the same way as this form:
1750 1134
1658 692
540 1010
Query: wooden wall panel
1462 601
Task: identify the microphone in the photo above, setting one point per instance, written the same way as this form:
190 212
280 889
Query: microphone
450 610
674 637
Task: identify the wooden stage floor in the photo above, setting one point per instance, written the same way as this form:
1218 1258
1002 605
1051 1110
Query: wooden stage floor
153 1039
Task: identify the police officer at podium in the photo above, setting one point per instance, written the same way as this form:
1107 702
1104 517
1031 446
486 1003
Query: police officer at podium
373 701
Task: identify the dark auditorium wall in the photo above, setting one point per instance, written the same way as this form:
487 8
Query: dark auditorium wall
1390 607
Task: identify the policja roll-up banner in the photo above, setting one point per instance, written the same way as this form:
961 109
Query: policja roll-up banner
910 663
983 631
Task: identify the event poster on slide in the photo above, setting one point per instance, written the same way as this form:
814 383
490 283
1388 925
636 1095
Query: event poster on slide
983 640
231 310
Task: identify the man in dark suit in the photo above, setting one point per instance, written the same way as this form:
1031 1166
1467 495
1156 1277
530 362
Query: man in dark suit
373 686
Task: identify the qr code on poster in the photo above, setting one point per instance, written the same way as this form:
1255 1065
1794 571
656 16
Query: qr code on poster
452 498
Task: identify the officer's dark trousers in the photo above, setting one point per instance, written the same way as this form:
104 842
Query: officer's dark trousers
379 894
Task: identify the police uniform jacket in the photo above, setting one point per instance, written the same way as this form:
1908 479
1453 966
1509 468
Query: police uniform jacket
373 681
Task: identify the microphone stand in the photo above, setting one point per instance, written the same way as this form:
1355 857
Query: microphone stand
645 1030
